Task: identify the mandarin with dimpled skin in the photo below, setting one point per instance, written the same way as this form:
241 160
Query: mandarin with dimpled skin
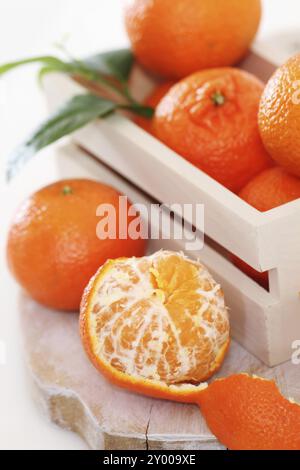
271 188
210 118
279 116
175 38
53 248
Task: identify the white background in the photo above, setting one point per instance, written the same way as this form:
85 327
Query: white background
31 27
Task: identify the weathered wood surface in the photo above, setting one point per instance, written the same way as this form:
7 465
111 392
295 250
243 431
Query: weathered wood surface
75 396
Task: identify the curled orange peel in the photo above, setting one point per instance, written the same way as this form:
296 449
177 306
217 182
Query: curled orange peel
249 413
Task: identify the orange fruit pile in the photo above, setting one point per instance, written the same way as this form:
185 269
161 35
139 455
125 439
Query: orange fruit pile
210 118
156 325
175 38
53 248
249 413
225 123
279 126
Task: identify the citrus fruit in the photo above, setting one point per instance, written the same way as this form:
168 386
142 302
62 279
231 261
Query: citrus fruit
210 118
270 189
53 248
175 38
249 413
152 100
279 116
156 325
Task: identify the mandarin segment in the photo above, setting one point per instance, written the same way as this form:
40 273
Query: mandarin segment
249 413
160 318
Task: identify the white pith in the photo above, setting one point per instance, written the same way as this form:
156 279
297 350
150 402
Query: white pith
153 320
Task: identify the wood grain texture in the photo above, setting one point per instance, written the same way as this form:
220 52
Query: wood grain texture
75 396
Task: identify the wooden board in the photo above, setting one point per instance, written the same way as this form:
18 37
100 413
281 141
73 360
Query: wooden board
75 396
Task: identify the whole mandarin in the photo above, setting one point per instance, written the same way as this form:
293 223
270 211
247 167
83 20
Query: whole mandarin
270 189
175 38
279 116
53 248
210 119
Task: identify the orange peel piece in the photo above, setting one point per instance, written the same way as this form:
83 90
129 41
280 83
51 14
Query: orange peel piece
249 413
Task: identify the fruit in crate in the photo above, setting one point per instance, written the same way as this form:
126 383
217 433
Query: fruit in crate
249 413
53 248
210 118
271 188
175 38
156 325
279 116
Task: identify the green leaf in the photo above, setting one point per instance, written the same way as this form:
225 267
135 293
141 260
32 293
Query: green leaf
99 68
81 109
65 68
117 63
75 114
48 61
50 64
139 109
44 71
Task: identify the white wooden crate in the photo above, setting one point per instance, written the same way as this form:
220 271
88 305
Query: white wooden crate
265 323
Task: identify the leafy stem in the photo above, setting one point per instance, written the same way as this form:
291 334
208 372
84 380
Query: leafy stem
109 69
